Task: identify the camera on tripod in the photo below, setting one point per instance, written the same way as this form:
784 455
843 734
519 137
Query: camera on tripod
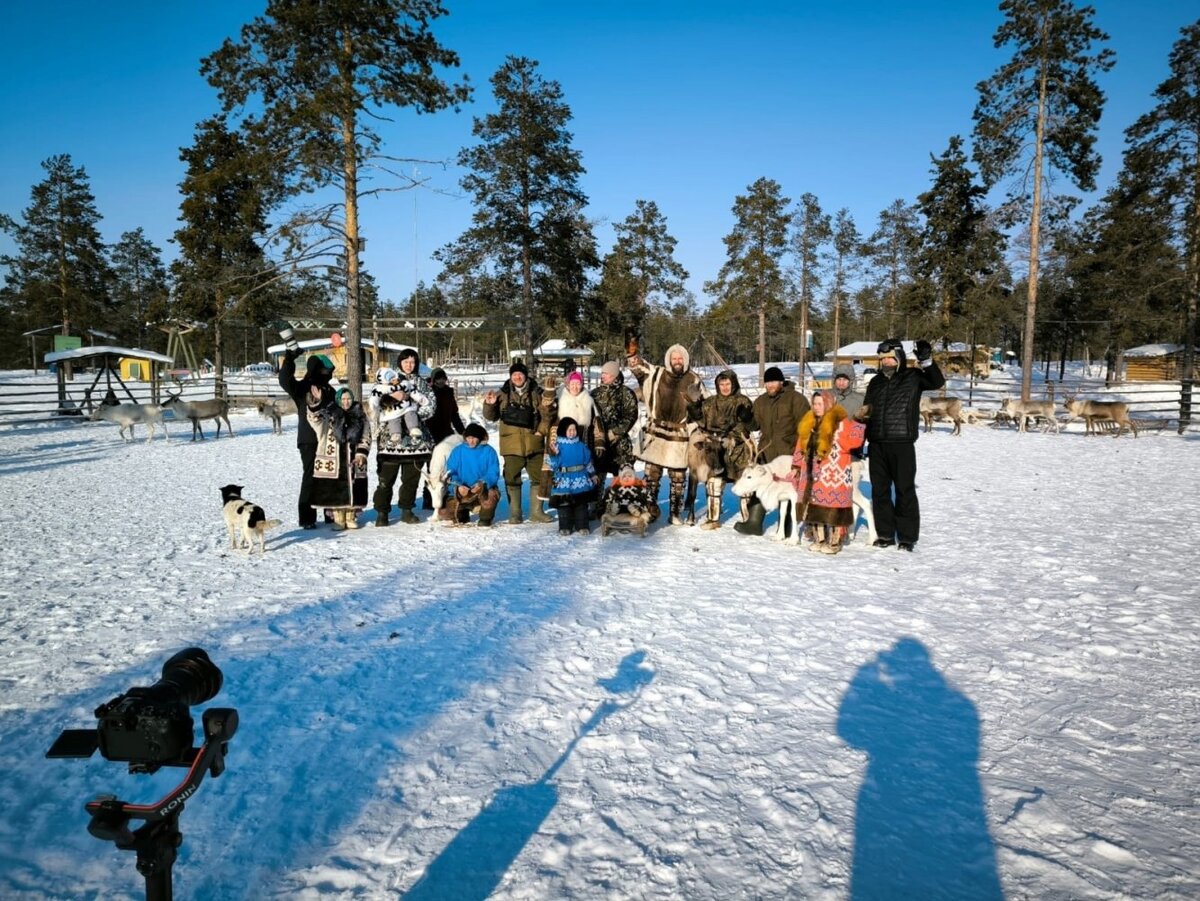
149 727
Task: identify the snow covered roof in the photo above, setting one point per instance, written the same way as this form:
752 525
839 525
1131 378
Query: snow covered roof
106 350
1153 350
860 349
313 343
554 347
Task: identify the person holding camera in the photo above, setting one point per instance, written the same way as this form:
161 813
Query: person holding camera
312 394
893 400
667 390
524 412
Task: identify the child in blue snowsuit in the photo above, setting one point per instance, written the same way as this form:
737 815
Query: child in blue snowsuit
574 478
473 471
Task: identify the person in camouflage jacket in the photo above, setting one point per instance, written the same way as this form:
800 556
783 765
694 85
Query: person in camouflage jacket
617 407
726 416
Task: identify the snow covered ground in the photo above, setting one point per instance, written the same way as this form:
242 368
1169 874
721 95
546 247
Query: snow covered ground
455 713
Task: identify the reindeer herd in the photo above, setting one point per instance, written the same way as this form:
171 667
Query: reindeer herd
126 416
1098 415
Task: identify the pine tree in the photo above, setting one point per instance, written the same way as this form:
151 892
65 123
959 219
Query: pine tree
222 268
1169 138
1128 273
60 271
528 230
648 248
811 233
321 73
892 249
752 277
140 288
1045 99
959 248
847 252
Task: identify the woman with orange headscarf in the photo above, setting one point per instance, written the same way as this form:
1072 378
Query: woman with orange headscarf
821 469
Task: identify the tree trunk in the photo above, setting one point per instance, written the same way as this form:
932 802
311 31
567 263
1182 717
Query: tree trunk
762 342
1035 233
803 355
1193 292
218 352
354 369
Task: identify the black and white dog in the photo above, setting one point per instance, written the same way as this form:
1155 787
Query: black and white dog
245 518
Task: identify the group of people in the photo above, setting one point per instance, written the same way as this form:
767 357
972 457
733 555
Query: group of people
567 441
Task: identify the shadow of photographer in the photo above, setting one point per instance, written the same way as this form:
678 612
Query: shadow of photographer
920 826
471 866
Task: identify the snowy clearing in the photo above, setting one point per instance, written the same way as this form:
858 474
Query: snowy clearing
456 713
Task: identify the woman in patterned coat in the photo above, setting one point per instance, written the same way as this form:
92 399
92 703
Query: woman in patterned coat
821 468
340 470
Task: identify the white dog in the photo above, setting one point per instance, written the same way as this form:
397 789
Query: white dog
246 523
435 476
775 491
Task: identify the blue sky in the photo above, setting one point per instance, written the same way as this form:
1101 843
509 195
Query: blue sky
682 103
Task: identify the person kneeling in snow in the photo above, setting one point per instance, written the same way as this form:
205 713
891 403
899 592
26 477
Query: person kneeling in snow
473 472
627 503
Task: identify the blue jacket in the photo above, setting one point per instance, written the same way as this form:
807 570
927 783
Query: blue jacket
468 465
572 466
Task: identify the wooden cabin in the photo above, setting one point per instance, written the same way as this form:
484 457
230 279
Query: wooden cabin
1157 363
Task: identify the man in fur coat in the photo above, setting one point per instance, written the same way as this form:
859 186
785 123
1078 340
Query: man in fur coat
777 412
667 390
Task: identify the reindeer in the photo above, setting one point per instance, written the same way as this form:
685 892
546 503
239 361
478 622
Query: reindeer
217 409
128 415
1021 411
1093 412
274 409
770 483
949 408
705 465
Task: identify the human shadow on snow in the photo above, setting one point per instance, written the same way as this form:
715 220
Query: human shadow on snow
319 730
921 827
471 866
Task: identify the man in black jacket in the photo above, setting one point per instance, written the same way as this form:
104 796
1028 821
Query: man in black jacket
310 392
894 399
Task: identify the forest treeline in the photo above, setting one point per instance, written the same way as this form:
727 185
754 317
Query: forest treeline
987 254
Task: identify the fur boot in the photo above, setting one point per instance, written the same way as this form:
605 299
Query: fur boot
350 518
675 495
713 489
339 520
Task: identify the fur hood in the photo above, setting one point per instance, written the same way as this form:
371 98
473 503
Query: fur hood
846 369
825 431
732 376
680 349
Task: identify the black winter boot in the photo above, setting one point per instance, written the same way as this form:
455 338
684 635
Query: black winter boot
753 524
381 518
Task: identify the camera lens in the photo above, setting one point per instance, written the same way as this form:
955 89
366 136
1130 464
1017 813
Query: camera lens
192 675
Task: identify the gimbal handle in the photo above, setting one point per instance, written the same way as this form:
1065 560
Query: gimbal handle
111 816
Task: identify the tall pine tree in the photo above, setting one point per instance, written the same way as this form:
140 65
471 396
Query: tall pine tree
752 277
319 76
140 288
60 271
222 268
811 234
527 229
1043 101
1169 137
892 250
